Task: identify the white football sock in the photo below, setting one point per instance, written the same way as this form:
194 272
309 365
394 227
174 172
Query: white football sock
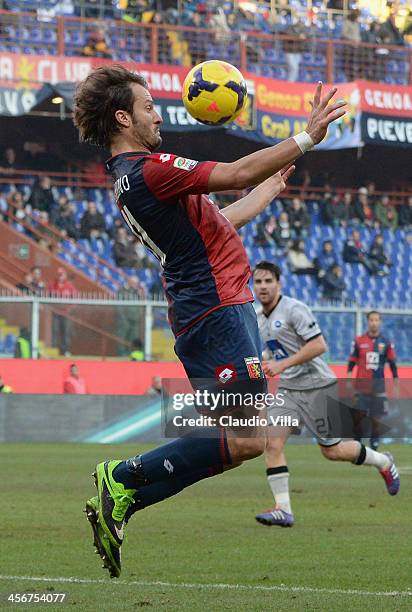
279 484
375 458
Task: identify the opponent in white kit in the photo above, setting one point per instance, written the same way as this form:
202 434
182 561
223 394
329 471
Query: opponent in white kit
293 345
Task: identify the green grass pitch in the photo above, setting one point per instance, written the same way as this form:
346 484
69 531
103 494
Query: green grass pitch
203 550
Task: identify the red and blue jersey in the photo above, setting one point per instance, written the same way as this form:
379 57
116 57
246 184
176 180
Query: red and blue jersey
205 266
370 354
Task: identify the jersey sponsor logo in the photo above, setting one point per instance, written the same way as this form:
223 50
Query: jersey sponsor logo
185 164
372 360
161 158
226 372
277 349
168 466
254 367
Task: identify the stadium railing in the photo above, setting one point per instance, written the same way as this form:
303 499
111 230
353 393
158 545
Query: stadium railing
322 58
96 326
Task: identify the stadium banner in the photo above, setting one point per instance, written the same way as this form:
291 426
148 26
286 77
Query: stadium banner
275 109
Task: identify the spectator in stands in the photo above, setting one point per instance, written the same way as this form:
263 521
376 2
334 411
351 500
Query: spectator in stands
74 383
362 211
44 235
33 282
298 218
294 48
129 318
156 388
268 233
389 33
64 218
351 32
285 229
22 349
38 285
377 255
326 259
335 209
9 163
18 209
386 213
124 251
405 214
137 352
298 261
92 223
96 45
41 197
333 284
3 387
353 252
61 287
133 10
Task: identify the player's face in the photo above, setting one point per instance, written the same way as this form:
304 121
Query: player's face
374 324
145 120
266 287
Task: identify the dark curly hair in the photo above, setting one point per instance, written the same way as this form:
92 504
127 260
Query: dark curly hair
103 92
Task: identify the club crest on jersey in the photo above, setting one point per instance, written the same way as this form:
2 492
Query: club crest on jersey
381 347
254 367
226 373
185 164
277 324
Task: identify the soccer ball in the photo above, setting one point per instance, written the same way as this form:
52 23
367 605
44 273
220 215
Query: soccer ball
214 92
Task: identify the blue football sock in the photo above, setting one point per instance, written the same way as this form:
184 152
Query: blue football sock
178 458
157 492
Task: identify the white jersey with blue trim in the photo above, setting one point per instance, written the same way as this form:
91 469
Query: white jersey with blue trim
284 331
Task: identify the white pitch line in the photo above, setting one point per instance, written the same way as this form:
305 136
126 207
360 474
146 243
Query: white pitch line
219 586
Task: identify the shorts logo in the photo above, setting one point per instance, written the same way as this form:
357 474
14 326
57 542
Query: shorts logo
225 373
254 367
185 164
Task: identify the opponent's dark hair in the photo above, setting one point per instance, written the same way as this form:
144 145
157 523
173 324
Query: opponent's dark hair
103 92
372 312
270 267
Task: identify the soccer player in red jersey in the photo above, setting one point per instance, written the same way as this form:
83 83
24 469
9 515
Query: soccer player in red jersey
370 352
205 273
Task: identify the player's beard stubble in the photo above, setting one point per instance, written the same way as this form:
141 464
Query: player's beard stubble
146 134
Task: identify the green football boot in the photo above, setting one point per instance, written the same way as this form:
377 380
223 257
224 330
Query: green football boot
113 502
109 554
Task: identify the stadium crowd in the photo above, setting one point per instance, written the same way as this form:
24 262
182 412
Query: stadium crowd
45 215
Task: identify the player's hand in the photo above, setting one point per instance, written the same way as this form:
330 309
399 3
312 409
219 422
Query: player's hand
272 367
323 113
278 181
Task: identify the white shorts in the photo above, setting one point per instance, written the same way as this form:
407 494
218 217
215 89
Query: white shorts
310 408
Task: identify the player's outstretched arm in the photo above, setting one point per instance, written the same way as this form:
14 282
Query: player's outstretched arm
257 167
244 210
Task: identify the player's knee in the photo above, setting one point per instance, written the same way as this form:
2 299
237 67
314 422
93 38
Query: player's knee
247 448
331 452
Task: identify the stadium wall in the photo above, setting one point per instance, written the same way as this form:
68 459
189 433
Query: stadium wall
102 377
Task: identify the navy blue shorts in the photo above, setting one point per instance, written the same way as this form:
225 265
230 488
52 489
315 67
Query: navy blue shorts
372 405
223 350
